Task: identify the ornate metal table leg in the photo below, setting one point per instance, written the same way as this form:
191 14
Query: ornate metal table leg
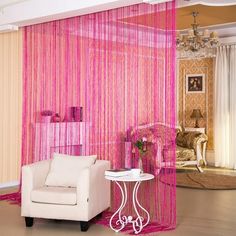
138 222
122 220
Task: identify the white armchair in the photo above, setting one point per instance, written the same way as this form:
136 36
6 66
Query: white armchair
89 198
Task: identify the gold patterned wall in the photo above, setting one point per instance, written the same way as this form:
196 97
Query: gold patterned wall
189 101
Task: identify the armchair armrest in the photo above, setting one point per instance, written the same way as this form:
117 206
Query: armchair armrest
196 141
93 190
201 139
190 139
33 176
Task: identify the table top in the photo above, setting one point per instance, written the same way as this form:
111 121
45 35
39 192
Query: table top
130 178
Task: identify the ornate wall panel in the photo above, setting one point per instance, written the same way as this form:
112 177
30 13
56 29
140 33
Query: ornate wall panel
189 101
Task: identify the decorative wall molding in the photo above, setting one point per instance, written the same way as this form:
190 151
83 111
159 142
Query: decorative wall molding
8 28
10 184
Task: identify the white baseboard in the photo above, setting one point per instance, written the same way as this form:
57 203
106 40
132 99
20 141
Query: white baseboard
210 157
9 184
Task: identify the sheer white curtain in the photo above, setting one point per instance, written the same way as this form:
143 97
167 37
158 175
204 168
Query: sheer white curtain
225 107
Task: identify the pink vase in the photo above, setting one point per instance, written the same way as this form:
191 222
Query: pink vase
140 164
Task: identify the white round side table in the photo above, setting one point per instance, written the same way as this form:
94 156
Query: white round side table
138 223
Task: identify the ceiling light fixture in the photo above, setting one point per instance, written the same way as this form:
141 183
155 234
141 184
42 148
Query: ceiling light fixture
196 43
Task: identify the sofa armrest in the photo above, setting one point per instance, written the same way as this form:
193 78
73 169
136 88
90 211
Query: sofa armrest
93 190
33 176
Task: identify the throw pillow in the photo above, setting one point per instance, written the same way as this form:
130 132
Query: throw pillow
65 169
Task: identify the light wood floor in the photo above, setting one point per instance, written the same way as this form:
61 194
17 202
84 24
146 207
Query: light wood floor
199 213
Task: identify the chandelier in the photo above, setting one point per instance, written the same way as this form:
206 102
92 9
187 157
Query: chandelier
196 43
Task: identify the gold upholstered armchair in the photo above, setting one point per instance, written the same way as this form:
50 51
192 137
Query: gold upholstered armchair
191 149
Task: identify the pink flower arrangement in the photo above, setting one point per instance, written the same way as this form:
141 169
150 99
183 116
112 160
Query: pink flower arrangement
141 144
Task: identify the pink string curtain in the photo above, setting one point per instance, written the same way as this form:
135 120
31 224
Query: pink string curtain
90 83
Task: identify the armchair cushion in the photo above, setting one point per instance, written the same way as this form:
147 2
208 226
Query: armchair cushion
54 195
65 169
185 154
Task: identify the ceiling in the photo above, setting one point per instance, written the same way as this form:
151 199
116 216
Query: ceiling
208 16
5 3
27 12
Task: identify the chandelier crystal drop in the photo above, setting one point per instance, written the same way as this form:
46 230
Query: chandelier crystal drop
196 43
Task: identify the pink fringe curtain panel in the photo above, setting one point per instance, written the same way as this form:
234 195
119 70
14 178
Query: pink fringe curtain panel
91 81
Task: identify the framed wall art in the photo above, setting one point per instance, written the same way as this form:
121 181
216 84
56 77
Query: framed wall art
195 83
